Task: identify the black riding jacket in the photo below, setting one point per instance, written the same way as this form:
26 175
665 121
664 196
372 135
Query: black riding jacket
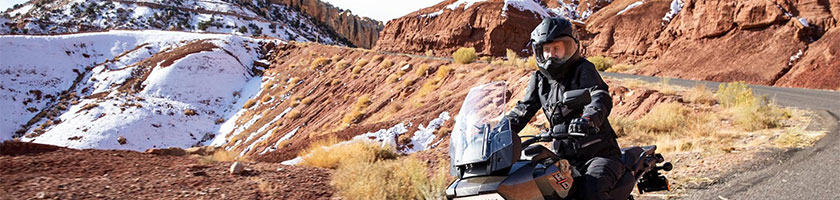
545 93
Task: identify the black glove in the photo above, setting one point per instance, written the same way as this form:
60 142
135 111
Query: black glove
582 125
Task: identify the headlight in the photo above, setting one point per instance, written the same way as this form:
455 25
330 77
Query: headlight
493 196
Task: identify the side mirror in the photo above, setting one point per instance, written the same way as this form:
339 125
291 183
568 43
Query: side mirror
577 99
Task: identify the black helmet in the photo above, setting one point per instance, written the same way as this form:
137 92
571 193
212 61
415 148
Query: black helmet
555 32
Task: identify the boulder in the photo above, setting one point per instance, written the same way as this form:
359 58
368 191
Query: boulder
237 168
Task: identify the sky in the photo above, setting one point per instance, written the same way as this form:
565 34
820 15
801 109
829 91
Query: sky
379 9
376 9
5 4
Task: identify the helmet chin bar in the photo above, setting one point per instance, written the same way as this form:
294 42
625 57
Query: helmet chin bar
570 45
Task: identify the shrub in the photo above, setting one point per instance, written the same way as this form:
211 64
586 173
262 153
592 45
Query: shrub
267 98
465 55
749 111
665 117
434 83
392 78
422 69
386 64
250 103
319 62
190 112
307 100
330 155
357 112
700 95
341 65
361 63
601 63
294 114
404 178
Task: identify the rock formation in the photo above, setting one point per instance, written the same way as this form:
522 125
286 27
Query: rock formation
488 26
360 31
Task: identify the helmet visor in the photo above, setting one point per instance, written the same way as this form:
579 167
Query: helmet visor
562 48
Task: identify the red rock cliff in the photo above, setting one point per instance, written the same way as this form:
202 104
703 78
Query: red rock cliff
360 31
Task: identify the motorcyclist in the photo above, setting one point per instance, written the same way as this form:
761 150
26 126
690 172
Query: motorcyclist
561 69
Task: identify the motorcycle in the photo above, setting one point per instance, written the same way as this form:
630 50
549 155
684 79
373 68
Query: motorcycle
490 164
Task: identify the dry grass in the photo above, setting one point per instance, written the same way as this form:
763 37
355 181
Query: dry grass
358 111
403 178
341 65
319 62
666 117
750 112
190 112
330 154
388 63
392 78
220 155
435 83
267 98
376 58
422 69
307 100
366 170
700 95
294 114
601 63
357 69
250 103
361 63
465 55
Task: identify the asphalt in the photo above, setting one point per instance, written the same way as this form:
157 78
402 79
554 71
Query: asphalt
809 173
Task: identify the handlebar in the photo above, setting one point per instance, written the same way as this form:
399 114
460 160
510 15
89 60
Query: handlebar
547 136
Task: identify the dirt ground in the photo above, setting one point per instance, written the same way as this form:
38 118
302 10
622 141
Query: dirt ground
35 171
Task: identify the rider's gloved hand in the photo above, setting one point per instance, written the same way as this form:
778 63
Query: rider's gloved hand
582 125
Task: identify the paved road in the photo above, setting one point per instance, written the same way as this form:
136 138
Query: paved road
811 173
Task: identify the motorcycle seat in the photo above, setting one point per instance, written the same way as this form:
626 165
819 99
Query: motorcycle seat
630 157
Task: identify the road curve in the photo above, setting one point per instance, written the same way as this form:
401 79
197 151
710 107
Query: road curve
810 173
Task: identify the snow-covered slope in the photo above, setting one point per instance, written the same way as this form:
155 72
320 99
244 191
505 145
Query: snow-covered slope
255 17
153 88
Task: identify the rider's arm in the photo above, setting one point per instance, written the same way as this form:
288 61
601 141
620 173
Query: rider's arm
597 110
525 109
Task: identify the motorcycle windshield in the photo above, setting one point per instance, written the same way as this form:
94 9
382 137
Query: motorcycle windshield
475 135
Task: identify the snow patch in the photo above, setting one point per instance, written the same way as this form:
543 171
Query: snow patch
422 139
526 5
469 3
803 21
430 15
795 57
153 116
676 7
631 6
